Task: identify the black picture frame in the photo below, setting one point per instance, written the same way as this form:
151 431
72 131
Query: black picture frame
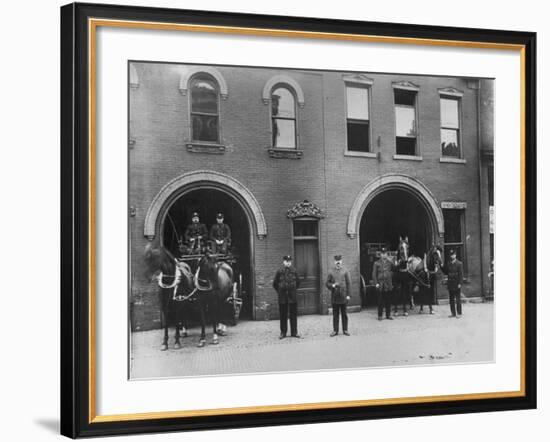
76 402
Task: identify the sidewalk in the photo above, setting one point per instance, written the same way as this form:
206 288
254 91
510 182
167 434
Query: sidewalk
253 346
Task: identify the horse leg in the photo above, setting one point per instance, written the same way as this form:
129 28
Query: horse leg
214 318
177 344
203 320
164 346
177 333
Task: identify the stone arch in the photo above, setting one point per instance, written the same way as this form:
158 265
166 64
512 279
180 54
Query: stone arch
193 180
395 181
190 72
283 79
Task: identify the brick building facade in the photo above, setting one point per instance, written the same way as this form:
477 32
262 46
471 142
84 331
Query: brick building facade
307 163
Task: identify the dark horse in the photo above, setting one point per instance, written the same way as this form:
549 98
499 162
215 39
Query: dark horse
402 278
175 281
214 283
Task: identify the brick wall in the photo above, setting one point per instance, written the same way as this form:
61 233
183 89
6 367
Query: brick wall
160 128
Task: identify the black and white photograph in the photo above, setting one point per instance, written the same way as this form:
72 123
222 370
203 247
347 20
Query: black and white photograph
287 220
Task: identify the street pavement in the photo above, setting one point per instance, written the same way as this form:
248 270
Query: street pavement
255 347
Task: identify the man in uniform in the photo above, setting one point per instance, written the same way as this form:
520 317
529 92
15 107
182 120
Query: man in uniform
220 235
455 276
339 282
382 273
286 283
195 235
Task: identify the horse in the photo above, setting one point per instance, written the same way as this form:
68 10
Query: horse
430 265
402 278
214 283
175 281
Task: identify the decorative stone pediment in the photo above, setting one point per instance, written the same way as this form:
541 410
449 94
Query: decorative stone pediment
450 91
305 208
358 78
405 85
283 80
213 72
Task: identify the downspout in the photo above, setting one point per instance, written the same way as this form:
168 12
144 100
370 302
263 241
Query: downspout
480 187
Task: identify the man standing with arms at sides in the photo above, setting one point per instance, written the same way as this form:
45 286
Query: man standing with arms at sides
382 272
455 275
339 282
286 283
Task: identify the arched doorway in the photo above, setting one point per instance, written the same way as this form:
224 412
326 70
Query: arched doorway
246 220
207 201
389 215
390 206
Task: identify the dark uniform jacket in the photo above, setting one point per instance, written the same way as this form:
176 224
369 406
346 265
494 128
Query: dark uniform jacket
219 232
286 283
193 230
382 273
340 277
455 274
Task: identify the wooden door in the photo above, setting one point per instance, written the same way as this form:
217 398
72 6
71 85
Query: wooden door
306 257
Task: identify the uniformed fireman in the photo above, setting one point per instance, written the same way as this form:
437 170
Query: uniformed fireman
455 275
196 235
286 282
220 235
339 284
382 273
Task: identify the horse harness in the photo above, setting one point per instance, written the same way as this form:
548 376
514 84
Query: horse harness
181 270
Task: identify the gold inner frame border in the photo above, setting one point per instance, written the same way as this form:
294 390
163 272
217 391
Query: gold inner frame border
93 24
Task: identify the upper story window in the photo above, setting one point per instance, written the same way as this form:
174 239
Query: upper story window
205 114
406 131
358 118
450 126
283 118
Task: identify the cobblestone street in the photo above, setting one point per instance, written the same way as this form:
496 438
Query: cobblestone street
253 346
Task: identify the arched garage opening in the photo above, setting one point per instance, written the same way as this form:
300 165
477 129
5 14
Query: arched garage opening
390 206
207 202
389 215
209 192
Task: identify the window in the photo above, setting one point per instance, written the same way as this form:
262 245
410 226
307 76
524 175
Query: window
454 234
450 127
204 109
358 124
405 122
283 118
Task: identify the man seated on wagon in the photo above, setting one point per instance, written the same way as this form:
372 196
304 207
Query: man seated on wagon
220 235
196 235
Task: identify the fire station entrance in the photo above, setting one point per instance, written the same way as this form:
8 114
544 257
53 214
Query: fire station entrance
390 214
207 202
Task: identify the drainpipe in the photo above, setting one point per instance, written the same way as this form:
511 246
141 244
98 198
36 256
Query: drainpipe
480 189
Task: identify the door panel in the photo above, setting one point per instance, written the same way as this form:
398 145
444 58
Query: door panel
306 254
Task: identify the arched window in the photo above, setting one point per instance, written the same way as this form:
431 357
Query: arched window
205 110
283 118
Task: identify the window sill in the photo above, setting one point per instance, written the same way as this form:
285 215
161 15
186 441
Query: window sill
352 153
407 157
452 160
290 153
217 149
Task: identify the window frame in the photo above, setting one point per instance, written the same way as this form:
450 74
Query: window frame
292 91
458 98
462 244
209 77
359 85
413 89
